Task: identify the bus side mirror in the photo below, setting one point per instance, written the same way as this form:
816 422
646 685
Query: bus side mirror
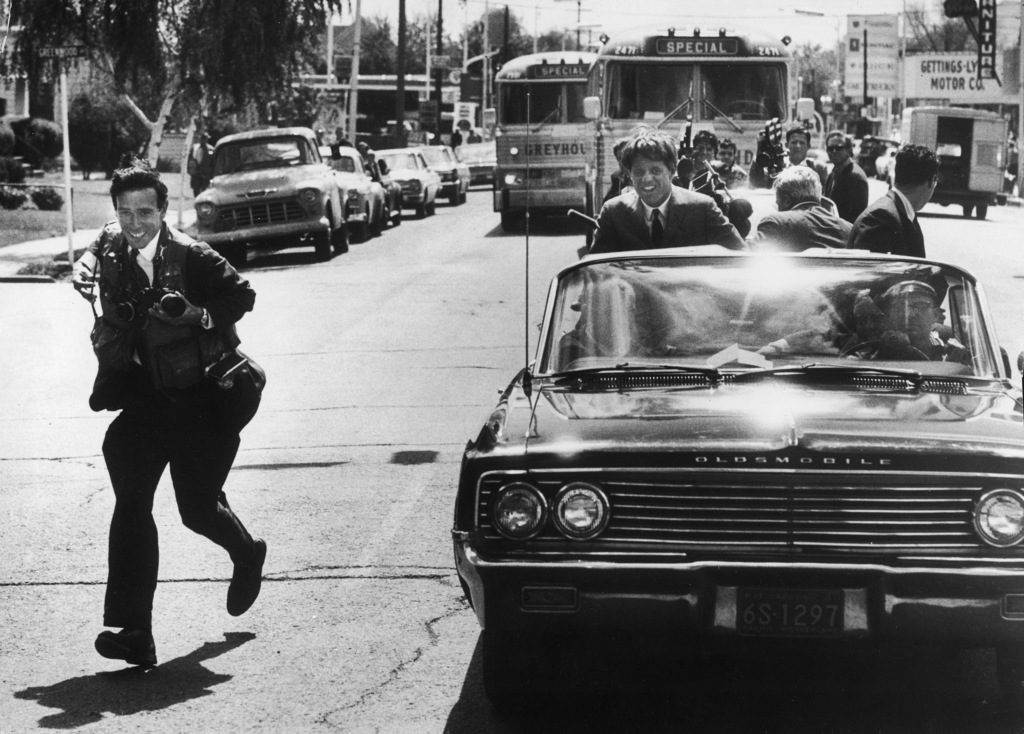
592 108
805 108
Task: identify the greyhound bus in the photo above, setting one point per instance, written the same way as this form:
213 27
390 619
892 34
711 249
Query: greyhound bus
541 134
690 80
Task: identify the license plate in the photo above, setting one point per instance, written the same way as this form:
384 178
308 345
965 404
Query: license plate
790 612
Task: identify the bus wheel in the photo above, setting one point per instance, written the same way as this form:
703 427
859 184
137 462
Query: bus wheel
981 211
968 208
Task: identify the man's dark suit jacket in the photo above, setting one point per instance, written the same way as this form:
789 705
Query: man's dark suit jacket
886 227
849 190
805 225
691 219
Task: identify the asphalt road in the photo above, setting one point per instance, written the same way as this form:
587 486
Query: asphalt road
381 364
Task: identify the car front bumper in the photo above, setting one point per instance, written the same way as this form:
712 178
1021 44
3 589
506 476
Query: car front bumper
881 603
276 232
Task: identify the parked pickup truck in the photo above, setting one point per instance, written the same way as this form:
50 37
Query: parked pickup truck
271 187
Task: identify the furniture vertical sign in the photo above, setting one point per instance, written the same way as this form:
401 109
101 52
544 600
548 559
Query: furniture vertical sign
987 39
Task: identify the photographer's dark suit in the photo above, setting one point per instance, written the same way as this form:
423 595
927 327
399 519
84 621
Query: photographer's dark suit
691 219
161 425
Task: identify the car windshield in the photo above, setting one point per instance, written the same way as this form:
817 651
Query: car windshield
246 155
437 156
345 164
399 161
477 153
761 311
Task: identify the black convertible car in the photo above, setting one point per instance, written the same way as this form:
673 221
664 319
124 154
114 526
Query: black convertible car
824 448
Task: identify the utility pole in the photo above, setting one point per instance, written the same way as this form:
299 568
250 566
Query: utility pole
439 73
353 95
400 91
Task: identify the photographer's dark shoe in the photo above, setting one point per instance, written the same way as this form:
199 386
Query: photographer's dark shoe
134 646
246 581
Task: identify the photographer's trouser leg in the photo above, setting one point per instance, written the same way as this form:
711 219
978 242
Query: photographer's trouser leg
200 464
135 460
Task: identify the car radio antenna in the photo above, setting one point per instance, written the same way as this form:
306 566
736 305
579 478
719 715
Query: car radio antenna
526 274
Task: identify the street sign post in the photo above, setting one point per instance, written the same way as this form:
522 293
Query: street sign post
64 54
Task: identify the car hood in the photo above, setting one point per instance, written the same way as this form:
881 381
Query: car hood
767 417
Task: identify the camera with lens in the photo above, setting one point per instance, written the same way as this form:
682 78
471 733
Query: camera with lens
171 302
771 153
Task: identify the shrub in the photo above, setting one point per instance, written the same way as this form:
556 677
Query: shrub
37 139
6 138
11 170
47 198
12 197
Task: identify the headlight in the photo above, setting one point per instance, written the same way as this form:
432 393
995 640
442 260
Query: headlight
580 511
513 150
309 197
414 184
353 194
513 179
999 517
204 210
518 511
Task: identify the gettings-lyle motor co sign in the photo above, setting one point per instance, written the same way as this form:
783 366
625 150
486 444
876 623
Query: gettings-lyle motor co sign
953 78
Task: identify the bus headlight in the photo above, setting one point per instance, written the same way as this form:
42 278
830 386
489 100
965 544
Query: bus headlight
513 178
580 511
518 511
999 517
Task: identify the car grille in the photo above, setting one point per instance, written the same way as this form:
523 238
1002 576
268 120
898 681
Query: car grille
713 515
259 214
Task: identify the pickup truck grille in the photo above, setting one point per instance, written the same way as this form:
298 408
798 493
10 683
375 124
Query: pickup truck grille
259 214
799 514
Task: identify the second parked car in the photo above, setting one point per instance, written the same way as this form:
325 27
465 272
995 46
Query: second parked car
419 184
365 204
453 172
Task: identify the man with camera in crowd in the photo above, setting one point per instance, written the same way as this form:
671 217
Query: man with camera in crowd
169 307
772 158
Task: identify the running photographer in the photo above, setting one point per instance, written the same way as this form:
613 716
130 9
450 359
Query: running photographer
169 307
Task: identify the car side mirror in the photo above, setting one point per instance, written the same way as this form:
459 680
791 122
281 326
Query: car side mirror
592 108
382 167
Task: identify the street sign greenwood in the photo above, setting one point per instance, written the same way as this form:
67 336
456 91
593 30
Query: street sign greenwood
61 52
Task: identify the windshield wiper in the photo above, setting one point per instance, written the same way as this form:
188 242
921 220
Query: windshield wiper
816 369
719 112
675 111
712 373
544 121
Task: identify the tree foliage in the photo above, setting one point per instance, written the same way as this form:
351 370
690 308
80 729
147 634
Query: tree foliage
227 52
926 36
816 68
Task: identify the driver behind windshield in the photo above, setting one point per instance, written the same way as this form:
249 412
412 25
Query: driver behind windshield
915 326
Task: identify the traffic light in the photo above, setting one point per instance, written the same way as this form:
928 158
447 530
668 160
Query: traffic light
960 8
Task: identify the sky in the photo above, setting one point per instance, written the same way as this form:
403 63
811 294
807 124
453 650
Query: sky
809 21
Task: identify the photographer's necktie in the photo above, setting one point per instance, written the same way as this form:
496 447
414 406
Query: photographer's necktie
657 230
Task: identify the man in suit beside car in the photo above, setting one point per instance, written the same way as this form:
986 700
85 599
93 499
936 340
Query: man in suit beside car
846 185
655 213
804 219
890 223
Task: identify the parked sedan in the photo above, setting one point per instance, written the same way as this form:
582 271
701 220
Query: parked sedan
717 450
365 206
481 159
453 172
420 185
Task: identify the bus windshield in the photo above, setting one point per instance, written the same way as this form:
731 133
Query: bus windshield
645 91
549 103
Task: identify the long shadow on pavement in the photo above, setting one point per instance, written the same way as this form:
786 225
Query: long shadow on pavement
87 699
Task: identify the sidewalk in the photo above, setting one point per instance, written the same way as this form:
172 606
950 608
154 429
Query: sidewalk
15 257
